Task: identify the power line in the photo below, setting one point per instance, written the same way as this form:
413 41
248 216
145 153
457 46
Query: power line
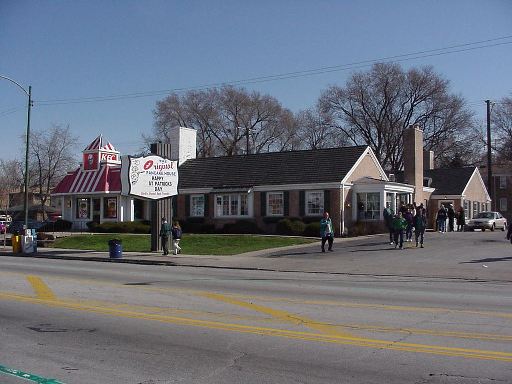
291 75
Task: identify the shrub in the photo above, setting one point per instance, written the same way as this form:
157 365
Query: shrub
59 226
293 227
241 227
312 229
125 227
362 228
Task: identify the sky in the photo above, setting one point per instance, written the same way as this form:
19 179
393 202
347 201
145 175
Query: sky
101 66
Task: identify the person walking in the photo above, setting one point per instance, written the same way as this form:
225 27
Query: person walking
451 218
176 237
388 220
461 220
409 218
399 225
165 231
326 231
509 233
420 225
441 219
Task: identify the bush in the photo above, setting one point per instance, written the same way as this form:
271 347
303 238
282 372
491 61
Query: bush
241 227
58 226
362 228
293 227
312 229
194 226
125 227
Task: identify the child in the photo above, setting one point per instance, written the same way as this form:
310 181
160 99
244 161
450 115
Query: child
176 237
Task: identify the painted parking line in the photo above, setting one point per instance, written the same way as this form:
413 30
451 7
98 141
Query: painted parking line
279 314
305 336
28 376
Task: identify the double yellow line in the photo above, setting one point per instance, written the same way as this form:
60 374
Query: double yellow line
327 333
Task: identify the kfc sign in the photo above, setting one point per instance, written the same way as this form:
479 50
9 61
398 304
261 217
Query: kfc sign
109 157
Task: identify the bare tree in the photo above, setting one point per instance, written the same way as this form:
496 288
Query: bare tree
228 121
502 119
317 131
375 107
51 157
11 180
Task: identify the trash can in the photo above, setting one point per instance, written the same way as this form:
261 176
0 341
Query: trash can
115 249
16 243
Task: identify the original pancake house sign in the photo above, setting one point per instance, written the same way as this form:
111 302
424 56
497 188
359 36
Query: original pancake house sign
150 177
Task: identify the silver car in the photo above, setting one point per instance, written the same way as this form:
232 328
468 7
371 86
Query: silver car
487 220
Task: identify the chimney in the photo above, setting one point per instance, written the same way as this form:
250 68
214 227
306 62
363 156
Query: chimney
413 160
428 160
183 143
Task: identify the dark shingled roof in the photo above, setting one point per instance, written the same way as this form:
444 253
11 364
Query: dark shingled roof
292 167
446 181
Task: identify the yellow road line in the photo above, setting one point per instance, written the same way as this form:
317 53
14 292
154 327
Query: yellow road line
288 300
278 314
40 288
370 343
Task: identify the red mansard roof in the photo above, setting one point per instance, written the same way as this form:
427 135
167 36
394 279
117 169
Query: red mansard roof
106 179
98 144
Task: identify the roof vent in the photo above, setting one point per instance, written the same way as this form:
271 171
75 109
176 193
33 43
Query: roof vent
392 177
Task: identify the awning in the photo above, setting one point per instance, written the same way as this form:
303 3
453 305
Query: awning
106 179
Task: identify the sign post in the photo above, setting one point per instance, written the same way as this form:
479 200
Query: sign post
155 178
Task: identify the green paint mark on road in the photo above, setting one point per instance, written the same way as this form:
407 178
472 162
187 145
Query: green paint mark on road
28 376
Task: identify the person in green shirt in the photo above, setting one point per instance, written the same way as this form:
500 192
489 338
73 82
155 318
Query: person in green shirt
399 225
326 231
165 231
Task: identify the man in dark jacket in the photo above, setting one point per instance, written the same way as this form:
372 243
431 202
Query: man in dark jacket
165 231
388 220
451 218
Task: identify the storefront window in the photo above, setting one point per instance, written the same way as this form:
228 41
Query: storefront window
138 209
314 202
110 208
197 205
83 208
368 206
232 205
275 204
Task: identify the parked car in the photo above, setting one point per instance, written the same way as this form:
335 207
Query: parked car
16 227
487 220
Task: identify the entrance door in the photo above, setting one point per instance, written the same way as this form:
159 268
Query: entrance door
96 210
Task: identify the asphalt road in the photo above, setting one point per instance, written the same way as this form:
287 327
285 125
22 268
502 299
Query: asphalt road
408 317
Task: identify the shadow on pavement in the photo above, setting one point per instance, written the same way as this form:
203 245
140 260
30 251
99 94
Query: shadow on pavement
488 260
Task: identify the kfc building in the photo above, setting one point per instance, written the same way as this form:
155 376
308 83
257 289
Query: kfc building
93 192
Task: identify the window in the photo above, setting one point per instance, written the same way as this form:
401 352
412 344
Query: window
368 206
503 204
110 207
476 208
275 204
232 205
83 209
314 203
138 209
467 207
197 205
503 182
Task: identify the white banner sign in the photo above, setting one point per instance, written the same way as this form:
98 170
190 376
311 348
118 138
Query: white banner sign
149 177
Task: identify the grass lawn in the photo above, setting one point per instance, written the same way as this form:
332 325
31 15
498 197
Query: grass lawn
191 244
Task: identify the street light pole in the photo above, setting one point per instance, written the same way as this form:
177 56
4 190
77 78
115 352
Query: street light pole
29 94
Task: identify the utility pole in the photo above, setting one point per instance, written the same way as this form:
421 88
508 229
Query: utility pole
489 153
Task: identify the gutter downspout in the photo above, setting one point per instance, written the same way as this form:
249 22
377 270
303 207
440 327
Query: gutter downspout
342 222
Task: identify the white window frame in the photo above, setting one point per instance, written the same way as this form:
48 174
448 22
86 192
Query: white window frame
308 201
376 212
503 204
232 205
503 182
196 207
272 209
